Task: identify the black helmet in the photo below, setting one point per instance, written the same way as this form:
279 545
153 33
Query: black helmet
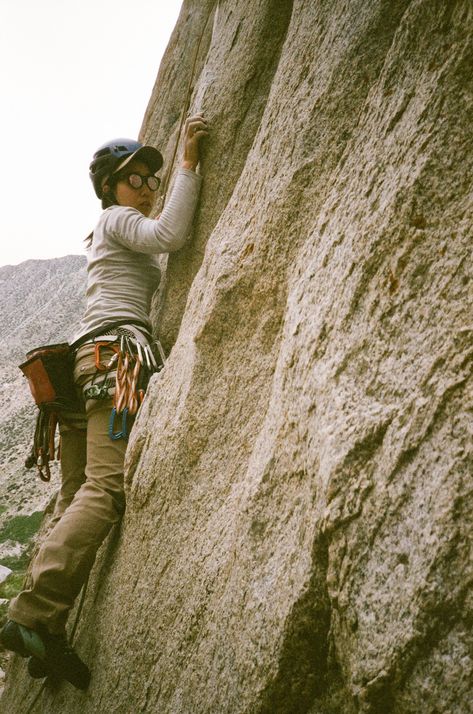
115 154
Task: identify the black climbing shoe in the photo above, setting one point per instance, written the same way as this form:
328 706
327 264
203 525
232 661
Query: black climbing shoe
37 669
52 651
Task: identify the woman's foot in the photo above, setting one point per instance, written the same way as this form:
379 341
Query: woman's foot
52 651
37 669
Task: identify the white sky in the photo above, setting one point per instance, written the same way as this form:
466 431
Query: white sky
73 74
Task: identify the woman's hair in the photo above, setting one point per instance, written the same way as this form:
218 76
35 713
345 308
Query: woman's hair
88 240
108 199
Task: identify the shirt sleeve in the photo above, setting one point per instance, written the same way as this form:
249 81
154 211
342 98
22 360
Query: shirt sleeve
167 233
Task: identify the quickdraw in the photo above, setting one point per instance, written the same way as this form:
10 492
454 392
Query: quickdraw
135 365
102 366
123 433
129 366
123 367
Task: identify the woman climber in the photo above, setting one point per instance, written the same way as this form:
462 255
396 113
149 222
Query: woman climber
114 358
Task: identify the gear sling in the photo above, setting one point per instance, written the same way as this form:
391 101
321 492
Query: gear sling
49 371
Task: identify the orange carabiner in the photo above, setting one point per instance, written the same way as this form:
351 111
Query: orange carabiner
100 366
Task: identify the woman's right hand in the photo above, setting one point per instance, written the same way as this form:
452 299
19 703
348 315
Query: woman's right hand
195 129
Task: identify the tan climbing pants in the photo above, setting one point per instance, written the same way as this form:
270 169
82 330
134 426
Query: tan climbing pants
91 500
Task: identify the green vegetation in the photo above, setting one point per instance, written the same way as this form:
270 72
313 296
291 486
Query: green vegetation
8 589
17 563
12 585
3 618
21 528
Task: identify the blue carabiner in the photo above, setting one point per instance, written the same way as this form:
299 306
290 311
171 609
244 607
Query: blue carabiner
115 435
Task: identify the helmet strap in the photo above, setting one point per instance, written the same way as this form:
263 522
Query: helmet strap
108 196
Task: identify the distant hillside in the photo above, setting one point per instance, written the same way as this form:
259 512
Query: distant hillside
42 302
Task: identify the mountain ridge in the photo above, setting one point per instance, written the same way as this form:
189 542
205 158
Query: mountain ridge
41 301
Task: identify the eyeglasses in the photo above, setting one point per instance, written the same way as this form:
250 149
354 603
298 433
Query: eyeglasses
137 181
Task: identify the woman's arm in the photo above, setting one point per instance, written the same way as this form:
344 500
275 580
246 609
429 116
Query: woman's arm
166 234
169 232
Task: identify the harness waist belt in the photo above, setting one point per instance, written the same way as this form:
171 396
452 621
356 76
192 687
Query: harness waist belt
110 326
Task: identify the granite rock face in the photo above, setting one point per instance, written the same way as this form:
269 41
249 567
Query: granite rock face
297 535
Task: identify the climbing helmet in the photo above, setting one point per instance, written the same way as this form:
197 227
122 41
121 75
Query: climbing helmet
114 155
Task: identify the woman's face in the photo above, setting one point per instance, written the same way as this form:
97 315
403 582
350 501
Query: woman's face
140 198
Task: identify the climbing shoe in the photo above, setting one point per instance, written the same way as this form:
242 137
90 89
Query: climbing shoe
37 669
52 651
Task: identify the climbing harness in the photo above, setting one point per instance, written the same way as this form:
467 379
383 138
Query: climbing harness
123 368
124 364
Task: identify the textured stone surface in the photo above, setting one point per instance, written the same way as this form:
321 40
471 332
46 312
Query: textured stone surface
299 482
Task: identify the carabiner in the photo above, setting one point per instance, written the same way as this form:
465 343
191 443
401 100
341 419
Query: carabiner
99 365
115 435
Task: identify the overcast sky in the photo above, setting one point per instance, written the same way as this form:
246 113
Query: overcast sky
73 75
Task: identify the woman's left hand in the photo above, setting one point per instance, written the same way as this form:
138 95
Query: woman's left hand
195 129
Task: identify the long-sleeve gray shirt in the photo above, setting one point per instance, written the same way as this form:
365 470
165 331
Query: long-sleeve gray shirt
122 273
